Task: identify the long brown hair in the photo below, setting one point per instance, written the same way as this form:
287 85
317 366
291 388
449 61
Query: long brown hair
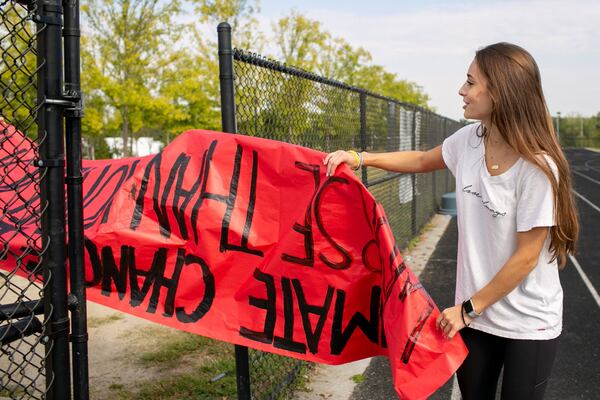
521 115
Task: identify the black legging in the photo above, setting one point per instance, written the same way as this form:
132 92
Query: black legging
527 366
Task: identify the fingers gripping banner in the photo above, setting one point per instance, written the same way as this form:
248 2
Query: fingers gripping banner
246 240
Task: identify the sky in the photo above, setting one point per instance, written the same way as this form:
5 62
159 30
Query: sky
432 42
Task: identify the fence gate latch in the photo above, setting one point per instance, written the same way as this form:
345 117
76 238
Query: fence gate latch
71 100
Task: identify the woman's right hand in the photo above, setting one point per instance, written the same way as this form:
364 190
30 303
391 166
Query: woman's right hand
332 160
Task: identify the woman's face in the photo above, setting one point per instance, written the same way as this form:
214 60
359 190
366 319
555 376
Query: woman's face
478 103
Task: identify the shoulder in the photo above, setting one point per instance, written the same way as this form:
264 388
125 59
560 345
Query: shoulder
542 158
532 173
474 129
467 134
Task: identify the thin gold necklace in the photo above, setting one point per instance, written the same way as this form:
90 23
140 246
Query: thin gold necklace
493 166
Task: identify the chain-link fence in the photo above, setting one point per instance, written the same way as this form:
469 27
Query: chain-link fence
275 101
283 103
579 142
34 316
23 330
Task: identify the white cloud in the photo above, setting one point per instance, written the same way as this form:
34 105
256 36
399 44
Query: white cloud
433 46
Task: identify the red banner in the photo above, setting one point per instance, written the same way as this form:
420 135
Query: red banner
246 240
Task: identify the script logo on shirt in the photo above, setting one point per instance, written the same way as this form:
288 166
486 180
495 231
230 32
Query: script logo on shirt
485 203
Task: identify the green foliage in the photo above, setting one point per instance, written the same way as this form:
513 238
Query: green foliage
18 69
304 43
95 322
144 73
358 378
173 350
300 40
240 14
124 62
575 125
578 131
200 383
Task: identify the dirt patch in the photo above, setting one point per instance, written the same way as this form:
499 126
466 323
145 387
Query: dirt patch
117 347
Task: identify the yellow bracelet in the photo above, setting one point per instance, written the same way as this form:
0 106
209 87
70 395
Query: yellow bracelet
356 158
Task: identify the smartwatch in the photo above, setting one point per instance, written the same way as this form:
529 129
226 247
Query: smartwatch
469 309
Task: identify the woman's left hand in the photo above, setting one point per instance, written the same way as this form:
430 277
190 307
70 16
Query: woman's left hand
450 321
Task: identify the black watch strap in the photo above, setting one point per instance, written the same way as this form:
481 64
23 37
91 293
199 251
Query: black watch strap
469 309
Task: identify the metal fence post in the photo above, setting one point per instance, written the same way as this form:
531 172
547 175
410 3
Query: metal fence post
363 132
434 176
73 115
446 172
413 176
228 122
52 192
392 128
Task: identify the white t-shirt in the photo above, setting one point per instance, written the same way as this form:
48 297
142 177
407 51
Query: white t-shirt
491 210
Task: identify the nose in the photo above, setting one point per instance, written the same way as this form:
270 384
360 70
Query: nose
462 91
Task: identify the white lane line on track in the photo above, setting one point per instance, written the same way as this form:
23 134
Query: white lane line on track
585 176
584 277
586 280
592 167
455 390
587 201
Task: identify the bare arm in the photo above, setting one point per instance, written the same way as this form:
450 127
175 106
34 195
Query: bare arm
518 266
398 161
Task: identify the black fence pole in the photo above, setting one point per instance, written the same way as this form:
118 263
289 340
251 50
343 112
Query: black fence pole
226 78
434 175
228 122
363 133
392 132
52 192
413 177
446 172
73 115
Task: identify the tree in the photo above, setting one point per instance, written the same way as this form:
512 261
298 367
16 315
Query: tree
191 84
305 44
130 45
376 79
300 40
240 14
18 72
340 61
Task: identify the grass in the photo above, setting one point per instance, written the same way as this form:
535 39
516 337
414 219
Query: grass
213 358
358 378
270 375
211 373
116 386
95 322
195 385
173 349
412 243
7 392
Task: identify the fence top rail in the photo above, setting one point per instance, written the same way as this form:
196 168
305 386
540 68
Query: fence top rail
264 62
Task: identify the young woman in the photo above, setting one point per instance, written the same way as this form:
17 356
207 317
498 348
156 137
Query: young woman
517 223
